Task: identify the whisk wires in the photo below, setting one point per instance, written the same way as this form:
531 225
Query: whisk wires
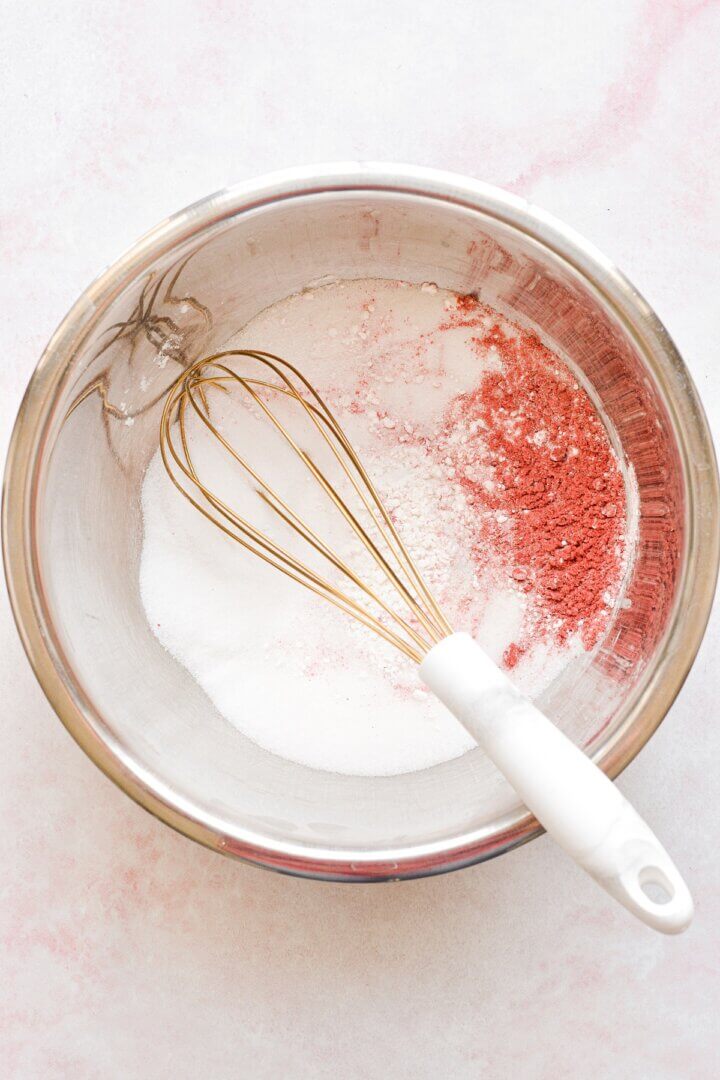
413 630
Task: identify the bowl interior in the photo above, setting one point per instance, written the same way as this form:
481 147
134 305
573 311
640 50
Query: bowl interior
102 430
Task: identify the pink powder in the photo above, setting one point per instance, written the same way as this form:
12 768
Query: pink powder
553 475
528 450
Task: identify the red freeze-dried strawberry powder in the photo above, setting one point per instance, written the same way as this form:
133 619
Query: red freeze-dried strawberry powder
538 458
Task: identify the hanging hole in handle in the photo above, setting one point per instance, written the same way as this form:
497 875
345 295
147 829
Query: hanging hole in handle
656 885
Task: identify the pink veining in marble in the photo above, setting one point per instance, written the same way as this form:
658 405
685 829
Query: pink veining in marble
627 100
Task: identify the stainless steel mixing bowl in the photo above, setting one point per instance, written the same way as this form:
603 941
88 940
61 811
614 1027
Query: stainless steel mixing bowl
89 424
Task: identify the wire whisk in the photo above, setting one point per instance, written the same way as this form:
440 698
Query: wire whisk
414 622
574 800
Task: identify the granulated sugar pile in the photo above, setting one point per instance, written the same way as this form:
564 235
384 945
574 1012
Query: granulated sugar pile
500 478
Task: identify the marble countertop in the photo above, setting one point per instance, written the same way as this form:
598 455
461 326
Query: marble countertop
129 952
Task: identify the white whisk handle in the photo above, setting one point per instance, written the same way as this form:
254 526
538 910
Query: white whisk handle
575 802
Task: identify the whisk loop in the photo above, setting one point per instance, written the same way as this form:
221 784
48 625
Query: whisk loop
420 624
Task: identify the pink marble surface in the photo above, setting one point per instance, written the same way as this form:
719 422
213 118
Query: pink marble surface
127 951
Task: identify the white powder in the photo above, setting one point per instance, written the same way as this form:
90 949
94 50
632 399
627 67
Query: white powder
286 668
